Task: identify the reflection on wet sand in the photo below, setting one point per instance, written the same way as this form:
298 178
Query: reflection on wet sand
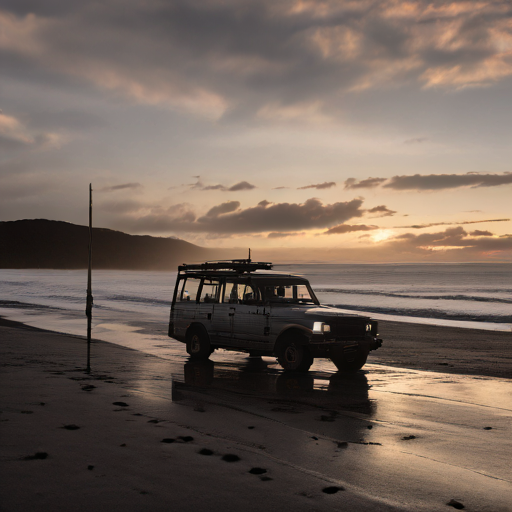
256 378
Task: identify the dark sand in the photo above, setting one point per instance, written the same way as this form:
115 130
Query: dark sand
113 440
108 441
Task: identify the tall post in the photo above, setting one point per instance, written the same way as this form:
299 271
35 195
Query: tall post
88 307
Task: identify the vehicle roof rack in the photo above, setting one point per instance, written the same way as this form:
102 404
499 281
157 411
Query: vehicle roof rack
239 266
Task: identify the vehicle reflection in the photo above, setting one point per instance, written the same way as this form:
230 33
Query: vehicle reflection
257 378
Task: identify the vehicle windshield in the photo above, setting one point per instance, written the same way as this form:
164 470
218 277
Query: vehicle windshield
288 293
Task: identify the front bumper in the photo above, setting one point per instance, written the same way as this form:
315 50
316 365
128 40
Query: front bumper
321 346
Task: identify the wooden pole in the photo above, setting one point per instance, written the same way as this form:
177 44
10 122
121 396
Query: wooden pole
88 307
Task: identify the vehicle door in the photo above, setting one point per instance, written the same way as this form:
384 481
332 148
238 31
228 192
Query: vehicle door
185 308
224 311
250 317
208 298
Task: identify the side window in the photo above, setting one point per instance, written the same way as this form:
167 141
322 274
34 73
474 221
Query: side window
231 293
247 294
279 293
189 290
209 291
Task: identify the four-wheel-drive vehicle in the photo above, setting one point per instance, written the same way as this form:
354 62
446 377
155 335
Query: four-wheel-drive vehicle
242 305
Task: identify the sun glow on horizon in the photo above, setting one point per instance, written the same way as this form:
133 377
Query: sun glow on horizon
382 235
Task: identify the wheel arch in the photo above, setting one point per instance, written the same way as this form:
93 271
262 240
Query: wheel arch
290 331
196 326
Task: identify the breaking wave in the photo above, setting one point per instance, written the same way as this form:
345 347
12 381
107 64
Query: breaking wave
472 298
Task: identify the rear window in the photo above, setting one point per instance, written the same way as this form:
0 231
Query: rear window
189 289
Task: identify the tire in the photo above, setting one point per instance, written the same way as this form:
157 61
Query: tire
294 357
198 344
350 363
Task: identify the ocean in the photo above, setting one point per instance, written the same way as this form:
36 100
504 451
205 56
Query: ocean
131 308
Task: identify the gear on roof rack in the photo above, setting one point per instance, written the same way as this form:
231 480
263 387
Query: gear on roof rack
239 266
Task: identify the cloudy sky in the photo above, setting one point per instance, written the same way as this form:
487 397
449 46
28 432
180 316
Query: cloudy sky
339 130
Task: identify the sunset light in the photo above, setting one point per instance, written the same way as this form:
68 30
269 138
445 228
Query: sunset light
256 255
382 235
320 125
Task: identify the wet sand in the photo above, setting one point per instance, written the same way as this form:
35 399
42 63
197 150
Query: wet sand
127 437
445 349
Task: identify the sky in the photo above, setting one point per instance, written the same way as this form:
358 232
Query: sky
306 130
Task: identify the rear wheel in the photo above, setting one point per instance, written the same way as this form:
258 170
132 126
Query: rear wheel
294 357
198 344
350 362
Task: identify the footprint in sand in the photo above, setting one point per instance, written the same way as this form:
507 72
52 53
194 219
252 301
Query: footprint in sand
36 456
230 457
333 489
455 504
257 471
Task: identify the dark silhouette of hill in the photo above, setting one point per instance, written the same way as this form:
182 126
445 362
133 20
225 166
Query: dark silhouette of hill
54 244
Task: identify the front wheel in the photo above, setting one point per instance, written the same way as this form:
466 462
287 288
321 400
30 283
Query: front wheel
350 363
198 344
294 357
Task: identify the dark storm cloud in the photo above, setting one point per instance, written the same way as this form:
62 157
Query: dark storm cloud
123 186
352 183
432 224
213 187
477 232
450 239
221 209
243 185
228 218
319 186
283 217
382 211
226 57
433 181
237 187
447 181
346 228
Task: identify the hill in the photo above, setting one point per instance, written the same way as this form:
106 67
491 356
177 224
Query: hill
61 245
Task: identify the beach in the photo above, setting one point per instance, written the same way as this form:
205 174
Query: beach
135 434
445 349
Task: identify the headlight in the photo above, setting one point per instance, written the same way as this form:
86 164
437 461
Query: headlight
320 328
